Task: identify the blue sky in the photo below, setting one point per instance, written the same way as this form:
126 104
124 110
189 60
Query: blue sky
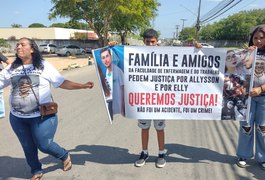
170 13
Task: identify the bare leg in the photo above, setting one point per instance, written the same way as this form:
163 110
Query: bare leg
145 138
161 139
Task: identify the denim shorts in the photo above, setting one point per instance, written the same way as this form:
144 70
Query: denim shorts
159 124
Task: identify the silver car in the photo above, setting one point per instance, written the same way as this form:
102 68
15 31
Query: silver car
47 48
70 50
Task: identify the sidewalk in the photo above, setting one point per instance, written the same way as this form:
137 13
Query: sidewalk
66 63
63 63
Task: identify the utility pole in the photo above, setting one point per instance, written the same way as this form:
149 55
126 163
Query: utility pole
182 35
177 31
183 23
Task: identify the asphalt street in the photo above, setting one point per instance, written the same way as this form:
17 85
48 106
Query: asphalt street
201 150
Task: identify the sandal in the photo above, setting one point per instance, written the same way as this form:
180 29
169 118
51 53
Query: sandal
36 176
67 164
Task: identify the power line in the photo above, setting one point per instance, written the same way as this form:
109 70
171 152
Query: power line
212 18
217 11
217 8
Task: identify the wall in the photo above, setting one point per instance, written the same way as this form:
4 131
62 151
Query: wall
83 44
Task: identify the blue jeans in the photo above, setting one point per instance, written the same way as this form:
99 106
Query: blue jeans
246 139
37 133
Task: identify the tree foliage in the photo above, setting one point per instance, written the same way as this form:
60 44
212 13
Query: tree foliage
36 25
3 43
187 34
133 16
58 25
234 27
102 16
80 36
16 25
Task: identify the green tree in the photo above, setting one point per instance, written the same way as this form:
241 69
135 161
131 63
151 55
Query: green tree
76 25
97 14
16 25
58 25
80 36
3 43
71 24
103 16
234 27
36 25
188 34
133 16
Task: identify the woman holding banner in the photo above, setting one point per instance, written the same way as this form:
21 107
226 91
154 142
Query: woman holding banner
255 126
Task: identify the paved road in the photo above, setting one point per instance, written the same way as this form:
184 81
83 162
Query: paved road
196 149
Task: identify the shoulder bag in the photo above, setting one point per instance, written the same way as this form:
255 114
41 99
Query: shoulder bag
47 108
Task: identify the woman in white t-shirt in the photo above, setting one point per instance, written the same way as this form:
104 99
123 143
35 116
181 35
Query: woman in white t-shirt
33 131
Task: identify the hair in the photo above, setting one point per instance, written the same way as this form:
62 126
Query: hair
150 33
36 56
259 28
25 78
230 50
105 49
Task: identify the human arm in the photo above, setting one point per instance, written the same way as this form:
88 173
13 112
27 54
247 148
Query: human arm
4 60
8 61
197 45
70 85
257 90
112 43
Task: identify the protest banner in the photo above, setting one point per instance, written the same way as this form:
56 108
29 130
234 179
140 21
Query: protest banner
177 83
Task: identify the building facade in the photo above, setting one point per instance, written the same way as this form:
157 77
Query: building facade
44 33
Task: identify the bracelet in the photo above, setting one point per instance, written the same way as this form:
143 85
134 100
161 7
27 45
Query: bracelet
261 88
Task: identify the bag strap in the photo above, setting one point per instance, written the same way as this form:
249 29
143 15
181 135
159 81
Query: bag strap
24 70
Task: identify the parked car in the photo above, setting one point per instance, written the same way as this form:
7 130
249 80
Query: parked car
47 48
70 50
205 45
89 50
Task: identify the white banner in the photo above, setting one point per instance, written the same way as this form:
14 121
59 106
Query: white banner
178 83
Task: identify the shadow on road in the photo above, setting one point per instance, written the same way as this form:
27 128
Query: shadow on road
13 167
190 154
102 154
179 153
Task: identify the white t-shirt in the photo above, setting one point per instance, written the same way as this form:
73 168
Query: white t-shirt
109 79
23 102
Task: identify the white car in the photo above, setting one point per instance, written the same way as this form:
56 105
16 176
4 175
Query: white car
47 48
205 45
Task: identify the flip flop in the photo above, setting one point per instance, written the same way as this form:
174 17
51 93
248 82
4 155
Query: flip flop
67 164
